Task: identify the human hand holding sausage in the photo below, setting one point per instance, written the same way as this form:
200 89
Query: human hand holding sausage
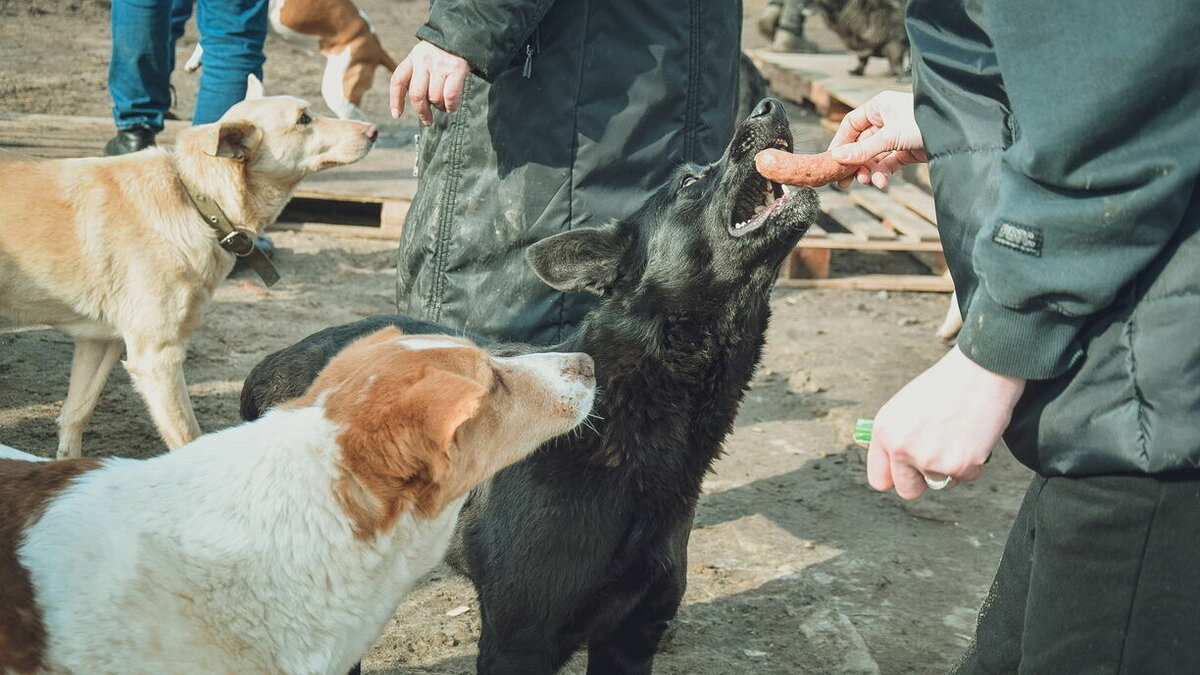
872 142
429 75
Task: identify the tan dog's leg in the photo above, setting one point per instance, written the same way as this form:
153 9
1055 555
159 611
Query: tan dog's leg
157 372
90 367
952 323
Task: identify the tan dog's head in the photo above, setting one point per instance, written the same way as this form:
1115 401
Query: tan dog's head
278 136
423 419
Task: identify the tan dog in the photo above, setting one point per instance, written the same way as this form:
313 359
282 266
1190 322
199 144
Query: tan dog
112 252
343 35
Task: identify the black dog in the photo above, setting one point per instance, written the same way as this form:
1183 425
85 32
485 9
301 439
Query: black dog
587 544
869 28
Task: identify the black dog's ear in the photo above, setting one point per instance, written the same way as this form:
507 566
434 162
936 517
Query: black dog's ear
586 259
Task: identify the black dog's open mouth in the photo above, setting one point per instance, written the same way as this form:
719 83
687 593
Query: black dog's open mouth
759 199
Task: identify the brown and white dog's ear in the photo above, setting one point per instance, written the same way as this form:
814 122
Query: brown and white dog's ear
254 88
396 437
235 139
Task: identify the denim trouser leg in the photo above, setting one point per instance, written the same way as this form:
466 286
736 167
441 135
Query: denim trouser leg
232 34
793 16
181 11
139 72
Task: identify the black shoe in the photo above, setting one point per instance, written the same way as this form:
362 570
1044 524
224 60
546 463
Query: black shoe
129 140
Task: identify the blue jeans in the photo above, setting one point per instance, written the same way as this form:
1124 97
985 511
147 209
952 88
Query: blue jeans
143 55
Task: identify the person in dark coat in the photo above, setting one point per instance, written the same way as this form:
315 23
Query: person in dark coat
566 114
1062 146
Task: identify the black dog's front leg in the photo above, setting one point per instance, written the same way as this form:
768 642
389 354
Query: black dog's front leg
630 648
518 652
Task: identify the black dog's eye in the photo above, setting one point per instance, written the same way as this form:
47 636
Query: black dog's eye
688 180
304 119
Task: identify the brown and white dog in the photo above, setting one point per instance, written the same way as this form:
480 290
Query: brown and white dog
279 546
344 35
112 252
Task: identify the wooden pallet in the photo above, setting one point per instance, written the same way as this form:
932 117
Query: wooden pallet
824 80
901 220
369 198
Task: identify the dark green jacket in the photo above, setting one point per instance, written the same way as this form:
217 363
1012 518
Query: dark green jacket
1064 142
577 112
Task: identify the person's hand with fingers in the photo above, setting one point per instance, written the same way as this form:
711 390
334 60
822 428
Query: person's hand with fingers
942 424
428 76
879 137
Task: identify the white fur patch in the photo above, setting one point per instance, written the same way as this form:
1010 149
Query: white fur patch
333 87
419 343
13 453
230 554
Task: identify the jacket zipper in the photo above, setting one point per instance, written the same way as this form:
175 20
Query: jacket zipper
532 47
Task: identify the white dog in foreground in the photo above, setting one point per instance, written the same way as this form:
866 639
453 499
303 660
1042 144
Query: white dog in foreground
279 546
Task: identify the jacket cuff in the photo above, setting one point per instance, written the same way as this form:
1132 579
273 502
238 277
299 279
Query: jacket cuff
1033 344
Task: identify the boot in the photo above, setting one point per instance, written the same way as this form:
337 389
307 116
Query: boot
129 140
790 41
768 21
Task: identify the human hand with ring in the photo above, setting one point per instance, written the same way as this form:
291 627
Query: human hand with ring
940 428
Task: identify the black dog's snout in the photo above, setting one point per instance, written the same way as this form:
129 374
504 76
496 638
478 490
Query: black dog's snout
766 107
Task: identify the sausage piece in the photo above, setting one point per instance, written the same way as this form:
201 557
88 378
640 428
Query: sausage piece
802 170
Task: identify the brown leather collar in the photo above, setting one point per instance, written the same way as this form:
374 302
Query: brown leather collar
236 241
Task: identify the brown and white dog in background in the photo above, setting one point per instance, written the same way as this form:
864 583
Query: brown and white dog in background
343 35
111 251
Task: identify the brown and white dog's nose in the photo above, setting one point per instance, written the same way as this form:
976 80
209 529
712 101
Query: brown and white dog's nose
371 132
580 367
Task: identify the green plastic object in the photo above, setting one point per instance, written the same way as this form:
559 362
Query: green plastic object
862 431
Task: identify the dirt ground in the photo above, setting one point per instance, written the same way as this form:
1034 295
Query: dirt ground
796 566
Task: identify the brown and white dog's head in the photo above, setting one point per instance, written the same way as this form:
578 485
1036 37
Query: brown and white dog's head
278 136
423 419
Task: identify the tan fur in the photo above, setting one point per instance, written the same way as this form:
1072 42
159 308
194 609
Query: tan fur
111 251
26 488
436 414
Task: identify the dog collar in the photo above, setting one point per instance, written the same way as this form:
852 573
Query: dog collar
238 242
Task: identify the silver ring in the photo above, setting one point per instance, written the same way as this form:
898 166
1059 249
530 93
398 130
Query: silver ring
940 484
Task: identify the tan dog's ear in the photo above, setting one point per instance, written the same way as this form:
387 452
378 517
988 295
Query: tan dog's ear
235 139
254 88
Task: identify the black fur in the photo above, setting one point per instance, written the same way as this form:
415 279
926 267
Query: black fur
869 28
585 543
287 373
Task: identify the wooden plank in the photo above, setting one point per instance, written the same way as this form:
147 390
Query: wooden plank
359 231
894 215
824 80
843 211
876 282
838 240
808 263
915 199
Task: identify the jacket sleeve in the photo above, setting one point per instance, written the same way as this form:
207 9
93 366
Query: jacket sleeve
1105 156
487 33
